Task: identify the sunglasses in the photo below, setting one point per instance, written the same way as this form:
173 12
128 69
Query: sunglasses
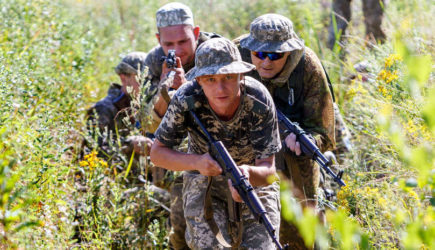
273 56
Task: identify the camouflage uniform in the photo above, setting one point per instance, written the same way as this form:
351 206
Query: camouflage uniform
112 115
168 15
251 134
373 14
312 106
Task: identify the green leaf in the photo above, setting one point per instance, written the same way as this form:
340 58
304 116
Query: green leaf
419 67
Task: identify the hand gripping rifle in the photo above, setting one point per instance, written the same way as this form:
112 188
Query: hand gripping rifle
171 63
239 181
308 147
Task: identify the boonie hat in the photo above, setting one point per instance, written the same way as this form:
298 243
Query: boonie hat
218 56
272 33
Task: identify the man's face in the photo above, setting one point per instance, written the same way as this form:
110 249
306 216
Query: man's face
129 81
267 68
222 92
182 38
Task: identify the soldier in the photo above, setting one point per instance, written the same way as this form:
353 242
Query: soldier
238 111
112 118
108 114
294 76
373 13
176 30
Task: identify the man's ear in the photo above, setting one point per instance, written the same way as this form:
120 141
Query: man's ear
196 32
158 37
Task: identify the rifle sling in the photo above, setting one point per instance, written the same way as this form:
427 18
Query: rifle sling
165 95
208 215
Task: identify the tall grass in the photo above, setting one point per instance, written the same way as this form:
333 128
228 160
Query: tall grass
57 57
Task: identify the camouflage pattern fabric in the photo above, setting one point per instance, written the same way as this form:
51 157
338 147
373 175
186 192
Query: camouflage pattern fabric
373 15
218 57
198 233
272 33
154 63
133 63
316 117
250 135
178 223
108 115
174 14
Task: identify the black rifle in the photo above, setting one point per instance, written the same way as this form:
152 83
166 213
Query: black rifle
239 181
308 147
171 61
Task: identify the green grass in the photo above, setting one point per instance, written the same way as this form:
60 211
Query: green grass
57 58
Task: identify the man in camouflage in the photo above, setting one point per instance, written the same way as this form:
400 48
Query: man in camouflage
176 30
238 111
112 118
373 13
109 114
294 76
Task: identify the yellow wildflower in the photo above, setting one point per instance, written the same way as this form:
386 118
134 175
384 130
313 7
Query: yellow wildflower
83 163
382 75
382 90
103 163
391 60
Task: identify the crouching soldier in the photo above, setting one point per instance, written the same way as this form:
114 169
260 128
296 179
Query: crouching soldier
238 111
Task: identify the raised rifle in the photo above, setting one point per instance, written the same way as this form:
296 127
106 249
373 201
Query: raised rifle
171 63
239 181
308 147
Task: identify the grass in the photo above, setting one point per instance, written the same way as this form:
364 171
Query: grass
57 58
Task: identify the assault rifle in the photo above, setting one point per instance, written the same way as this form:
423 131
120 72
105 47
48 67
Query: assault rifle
309 148
239 181
171 62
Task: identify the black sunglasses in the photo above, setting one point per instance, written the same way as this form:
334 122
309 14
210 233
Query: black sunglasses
273 56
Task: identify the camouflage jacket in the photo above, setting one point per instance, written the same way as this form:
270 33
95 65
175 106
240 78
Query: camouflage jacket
316 113
251 134
106 120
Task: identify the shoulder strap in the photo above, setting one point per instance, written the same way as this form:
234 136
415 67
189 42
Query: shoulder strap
329 84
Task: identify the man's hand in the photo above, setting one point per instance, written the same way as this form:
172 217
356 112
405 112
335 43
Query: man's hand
179 77
245 171
207 166
292 144
140 144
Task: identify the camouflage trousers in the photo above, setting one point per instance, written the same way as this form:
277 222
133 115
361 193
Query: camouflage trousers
304 175
373 14
178 223
198 233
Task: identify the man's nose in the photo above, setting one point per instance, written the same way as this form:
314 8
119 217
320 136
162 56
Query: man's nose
266 61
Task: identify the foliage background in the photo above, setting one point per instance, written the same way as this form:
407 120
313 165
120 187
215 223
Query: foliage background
57 58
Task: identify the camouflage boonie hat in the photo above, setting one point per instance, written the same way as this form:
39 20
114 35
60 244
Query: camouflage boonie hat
218 56
174 14
272 33
131 63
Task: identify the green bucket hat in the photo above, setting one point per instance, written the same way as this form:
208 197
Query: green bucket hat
272 33
174 14
131 63
218 56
